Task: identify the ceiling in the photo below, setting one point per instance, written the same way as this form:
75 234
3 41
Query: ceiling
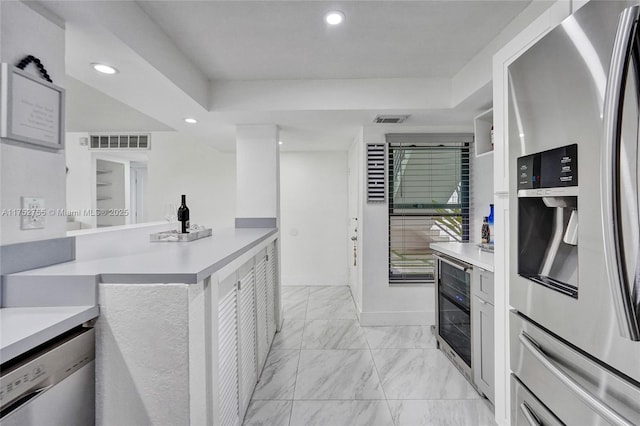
288 40
257 62
90 110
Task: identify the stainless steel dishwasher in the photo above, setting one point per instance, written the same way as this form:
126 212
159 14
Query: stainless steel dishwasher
51 385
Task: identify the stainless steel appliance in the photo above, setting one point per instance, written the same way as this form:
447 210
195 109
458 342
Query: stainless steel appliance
574 284
453 307
52 385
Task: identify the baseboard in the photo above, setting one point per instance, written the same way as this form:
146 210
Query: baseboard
397 318
307 282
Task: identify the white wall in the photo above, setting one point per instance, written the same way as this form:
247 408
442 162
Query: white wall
314 218
177 165
383 304
26 171
181 165
257 171
80 178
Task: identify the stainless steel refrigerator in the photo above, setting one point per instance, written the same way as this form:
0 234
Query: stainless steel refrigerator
574 282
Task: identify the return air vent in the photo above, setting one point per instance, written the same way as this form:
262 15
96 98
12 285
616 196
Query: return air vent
375 173
139 141
390 119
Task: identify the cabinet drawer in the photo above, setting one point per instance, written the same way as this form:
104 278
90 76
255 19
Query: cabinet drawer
526 409
483 284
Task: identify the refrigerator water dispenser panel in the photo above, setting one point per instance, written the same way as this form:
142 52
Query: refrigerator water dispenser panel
555 168
548 219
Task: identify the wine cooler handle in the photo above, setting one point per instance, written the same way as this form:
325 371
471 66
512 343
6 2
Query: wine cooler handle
529 415
457 265
609 169
587 397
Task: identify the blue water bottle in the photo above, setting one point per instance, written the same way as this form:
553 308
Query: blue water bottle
490 217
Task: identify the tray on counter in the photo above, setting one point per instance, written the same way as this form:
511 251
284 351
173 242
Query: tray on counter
486 247
175 236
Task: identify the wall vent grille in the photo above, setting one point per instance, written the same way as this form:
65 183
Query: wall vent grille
390 119
138 141
375 173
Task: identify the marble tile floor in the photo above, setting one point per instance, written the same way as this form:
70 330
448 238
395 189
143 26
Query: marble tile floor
324 369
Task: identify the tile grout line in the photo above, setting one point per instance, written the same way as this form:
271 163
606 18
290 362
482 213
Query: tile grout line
295 384
375 366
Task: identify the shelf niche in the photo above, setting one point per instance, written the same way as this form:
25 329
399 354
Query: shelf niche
482 132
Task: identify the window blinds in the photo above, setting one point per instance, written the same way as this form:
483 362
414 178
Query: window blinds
428 198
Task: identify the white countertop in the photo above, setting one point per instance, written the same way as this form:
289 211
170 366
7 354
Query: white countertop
466 252
22 329
159 262
42 303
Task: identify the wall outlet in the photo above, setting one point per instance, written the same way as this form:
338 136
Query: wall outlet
32 213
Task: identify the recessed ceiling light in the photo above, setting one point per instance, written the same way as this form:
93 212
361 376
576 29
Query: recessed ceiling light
279 142
190 120
334 17
104 69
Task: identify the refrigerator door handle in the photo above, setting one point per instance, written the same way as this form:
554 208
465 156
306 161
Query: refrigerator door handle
529 414
587 397
627 320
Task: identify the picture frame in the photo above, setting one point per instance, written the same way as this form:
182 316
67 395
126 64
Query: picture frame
32 109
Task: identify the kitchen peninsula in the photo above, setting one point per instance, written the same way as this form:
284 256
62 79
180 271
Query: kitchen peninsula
173 318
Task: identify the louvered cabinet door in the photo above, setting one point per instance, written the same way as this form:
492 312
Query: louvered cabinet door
272 279
247 336
261 307
228 359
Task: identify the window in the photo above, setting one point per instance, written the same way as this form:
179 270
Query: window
428 193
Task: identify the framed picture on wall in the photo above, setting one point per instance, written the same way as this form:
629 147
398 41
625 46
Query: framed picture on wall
32 109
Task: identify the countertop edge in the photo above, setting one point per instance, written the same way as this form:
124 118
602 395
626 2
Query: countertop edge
47 333
233 256
466 252
118 277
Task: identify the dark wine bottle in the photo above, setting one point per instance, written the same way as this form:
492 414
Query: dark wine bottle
486 231
183 215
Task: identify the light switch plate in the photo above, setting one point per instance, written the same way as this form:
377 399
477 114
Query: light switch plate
32 213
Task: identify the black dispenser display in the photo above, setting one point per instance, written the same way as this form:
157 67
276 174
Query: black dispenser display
548 218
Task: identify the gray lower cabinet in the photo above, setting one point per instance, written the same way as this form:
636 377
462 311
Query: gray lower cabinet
261 308
246 328
247 343
229 401
483 332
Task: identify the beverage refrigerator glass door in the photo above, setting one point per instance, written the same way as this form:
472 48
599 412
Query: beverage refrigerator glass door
453 283
577 280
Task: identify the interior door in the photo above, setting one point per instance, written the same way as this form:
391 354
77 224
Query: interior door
353 243
138 189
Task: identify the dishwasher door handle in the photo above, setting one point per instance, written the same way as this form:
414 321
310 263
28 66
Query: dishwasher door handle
23 399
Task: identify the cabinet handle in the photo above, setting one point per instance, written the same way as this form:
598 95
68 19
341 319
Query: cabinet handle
532 419
460 266
482 302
